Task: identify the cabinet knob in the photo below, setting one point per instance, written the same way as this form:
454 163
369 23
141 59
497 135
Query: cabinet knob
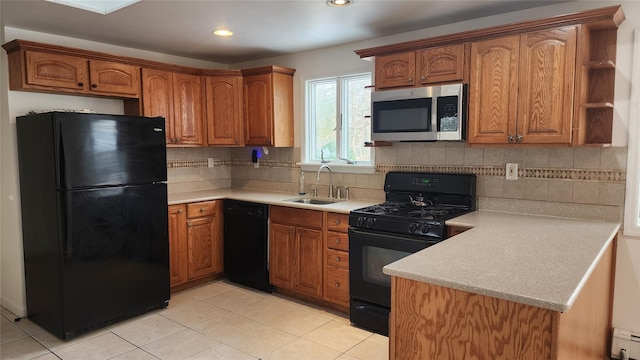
337 284
337 240
179 211
94 86
337 259
190 224
80 84
202 209
410 80
519 138
511 138
237 141
337 221
423 78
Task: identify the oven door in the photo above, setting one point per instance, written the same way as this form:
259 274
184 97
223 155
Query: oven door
369 252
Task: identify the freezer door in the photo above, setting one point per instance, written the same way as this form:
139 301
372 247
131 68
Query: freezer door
105 150
116 254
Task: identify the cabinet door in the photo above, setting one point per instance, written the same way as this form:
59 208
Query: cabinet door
493 90
441 64
57 71
258 110
224 110
337 285
188 109
281 250
157 97
204 248
546 86
396 70
114 78
309 261
178 269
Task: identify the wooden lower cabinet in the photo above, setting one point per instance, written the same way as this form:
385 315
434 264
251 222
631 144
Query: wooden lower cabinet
295 250
434 322
195 242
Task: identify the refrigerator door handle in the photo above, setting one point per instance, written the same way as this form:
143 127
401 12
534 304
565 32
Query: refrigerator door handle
69 226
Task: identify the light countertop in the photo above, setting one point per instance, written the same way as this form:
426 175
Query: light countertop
265 197
534 260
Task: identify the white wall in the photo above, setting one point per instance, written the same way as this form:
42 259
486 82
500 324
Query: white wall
311 64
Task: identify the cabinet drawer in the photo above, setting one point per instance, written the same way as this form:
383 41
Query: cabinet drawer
338 259
204 208
294 216
338 222
337 286
338 241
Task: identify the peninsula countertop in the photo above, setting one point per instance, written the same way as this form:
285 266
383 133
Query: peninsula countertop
535 260
266 197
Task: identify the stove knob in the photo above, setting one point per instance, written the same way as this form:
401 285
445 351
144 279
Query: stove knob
360 221
411 228
424 229
370 222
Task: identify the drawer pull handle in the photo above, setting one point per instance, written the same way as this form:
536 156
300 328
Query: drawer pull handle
337 240
179 211
337 284
337 259
337 221
202 209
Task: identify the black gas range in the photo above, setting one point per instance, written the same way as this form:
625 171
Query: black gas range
412 218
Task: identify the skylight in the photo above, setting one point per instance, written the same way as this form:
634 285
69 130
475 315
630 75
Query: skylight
103 7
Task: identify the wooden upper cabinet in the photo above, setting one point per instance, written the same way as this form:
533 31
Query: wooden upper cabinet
109 77
546 86
56 71
441 64
224 110
188 109
268 106
395 70
51 72
177 98
522 88
493 88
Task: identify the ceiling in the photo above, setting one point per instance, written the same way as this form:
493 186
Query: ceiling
262 28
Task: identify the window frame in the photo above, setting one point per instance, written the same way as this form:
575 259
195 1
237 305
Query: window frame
340 166
632 199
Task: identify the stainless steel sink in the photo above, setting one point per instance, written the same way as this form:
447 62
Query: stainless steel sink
313 201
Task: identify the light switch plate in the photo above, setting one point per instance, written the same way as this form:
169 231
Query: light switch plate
210 162
512 171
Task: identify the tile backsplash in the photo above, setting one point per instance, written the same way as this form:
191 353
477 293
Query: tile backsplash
574 182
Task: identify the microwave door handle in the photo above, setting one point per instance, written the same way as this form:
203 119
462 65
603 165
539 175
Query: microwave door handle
434 116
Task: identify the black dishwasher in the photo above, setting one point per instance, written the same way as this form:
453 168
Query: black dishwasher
246 244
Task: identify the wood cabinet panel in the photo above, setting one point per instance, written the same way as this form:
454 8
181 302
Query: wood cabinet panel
281 255
339 259
441 64
295 216
546 86
337 240
157 97
178 267
203 208
258 112
204 246
188 109
114 78
337 285
308 260
56 71
493 89
395 70
224 110
337 222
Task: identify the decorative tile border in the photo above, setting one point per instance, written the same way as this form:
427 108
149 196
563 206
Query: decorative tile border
617 176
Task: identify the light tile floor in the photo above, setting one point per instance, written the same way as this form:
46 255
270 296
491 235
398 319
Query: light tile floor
216 321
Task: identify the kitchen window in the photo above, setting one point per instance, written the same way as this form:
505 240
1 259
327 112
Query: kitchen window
337 123
632 202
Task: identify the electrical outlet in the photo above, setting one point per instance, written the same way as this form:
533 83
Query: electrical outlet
512 171
210 162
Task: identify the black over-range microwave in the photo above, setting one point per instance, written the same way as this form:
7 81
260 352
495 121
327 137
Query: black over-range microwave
419 114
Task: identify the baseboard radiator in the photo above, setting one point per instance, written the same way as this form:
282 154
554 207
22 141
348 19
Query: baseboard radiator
625 345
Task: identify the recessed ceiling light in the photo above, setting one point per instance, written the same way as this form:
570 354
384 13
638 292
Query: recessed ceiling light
339 3
103 7
222 32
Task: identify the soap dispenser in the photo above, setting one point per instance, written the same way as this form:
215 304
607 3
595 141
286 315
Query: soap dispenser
301 191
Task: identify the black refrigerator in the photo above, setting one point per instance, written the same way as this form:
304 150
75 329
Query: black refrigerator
94 218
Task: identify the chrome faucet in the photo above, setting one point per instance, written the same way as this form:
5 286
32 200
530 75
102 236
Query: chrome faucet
325 166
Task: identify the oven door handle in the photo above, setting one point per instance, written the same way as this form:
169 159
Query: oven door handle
428 241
